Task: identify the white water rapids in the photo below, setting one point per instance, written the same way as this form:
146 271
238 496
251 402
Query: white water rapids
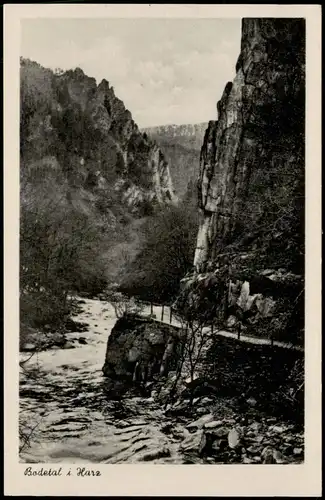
62 393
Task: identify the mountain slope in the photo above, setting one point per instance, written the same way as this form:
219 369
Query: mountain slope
88 178
181 145
67 118
190 136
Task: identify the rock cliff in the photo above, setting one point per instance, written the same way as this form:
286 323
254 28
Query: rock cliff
252 159
82 127
88 180
251 181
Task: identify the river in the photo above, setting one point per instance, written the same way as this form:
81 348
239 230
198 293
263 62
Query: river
63 399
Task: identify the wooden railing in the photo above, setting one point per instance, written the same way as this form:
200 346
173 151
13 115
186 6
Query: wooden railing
163 308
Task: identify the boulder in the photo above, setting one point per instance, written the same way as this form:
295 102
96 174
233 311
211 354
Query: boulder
140 348
255 426
155 454
234 438
254 449
279 457
213 424
278 429
69 345
267 455
194 443
201 422
251 402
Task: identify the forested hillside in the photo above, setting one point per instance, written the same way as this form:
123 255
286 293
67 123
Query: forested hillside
181 144
89 178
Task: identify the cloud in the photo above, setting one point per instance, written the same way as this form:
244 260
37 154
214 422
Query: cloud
166 71
154 71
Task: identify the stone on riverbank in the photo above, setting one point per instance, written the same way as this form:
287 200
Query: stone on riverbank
139 349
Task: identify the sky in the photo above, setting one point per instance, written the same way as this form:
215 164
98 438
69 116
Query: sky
165 70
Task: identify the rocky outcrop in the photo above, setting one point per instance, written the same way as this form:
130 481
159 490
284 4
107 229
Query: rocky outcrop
264 303
251 181
254 153
139 348
85 128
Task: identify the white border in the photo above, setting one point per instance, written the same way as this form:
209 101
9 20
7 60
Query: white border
225 480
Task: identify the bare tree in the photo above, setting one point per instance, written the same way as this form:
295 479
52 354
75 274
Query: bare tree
26 432
61 249
121 304
197 328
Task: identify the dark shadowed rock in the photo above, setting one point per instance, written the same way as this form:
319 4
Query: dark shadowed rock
139 349
260 113
201 422
234 438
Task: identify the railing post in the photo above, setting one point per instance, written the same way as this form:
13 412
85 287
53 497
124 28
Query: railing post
162 313
239 330
151 308
170 314
212 328
272 341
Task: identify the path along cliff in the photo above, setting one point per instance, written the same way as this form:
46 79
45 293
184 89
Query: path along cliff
66 408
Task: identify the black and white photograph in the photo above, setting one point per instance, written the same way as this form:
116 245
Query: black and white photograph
162 242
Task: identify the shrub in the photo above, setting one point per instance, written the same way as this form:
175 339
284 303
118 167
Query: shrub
122 305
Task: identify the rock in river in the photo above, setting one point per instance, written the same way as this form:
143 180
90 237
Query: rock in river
139 348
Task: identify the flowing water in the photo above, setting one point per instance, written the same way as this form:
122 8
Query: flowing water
69 417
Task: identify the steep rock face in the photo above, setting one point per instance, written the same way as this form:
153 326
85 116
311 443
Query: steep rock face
251 189
181 145
253 156
68 119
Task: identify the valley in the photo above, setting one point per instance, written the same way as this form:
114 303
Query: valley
204 221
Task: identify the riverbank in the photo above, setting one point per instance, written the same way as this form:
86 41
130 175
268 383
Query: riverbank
64 397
